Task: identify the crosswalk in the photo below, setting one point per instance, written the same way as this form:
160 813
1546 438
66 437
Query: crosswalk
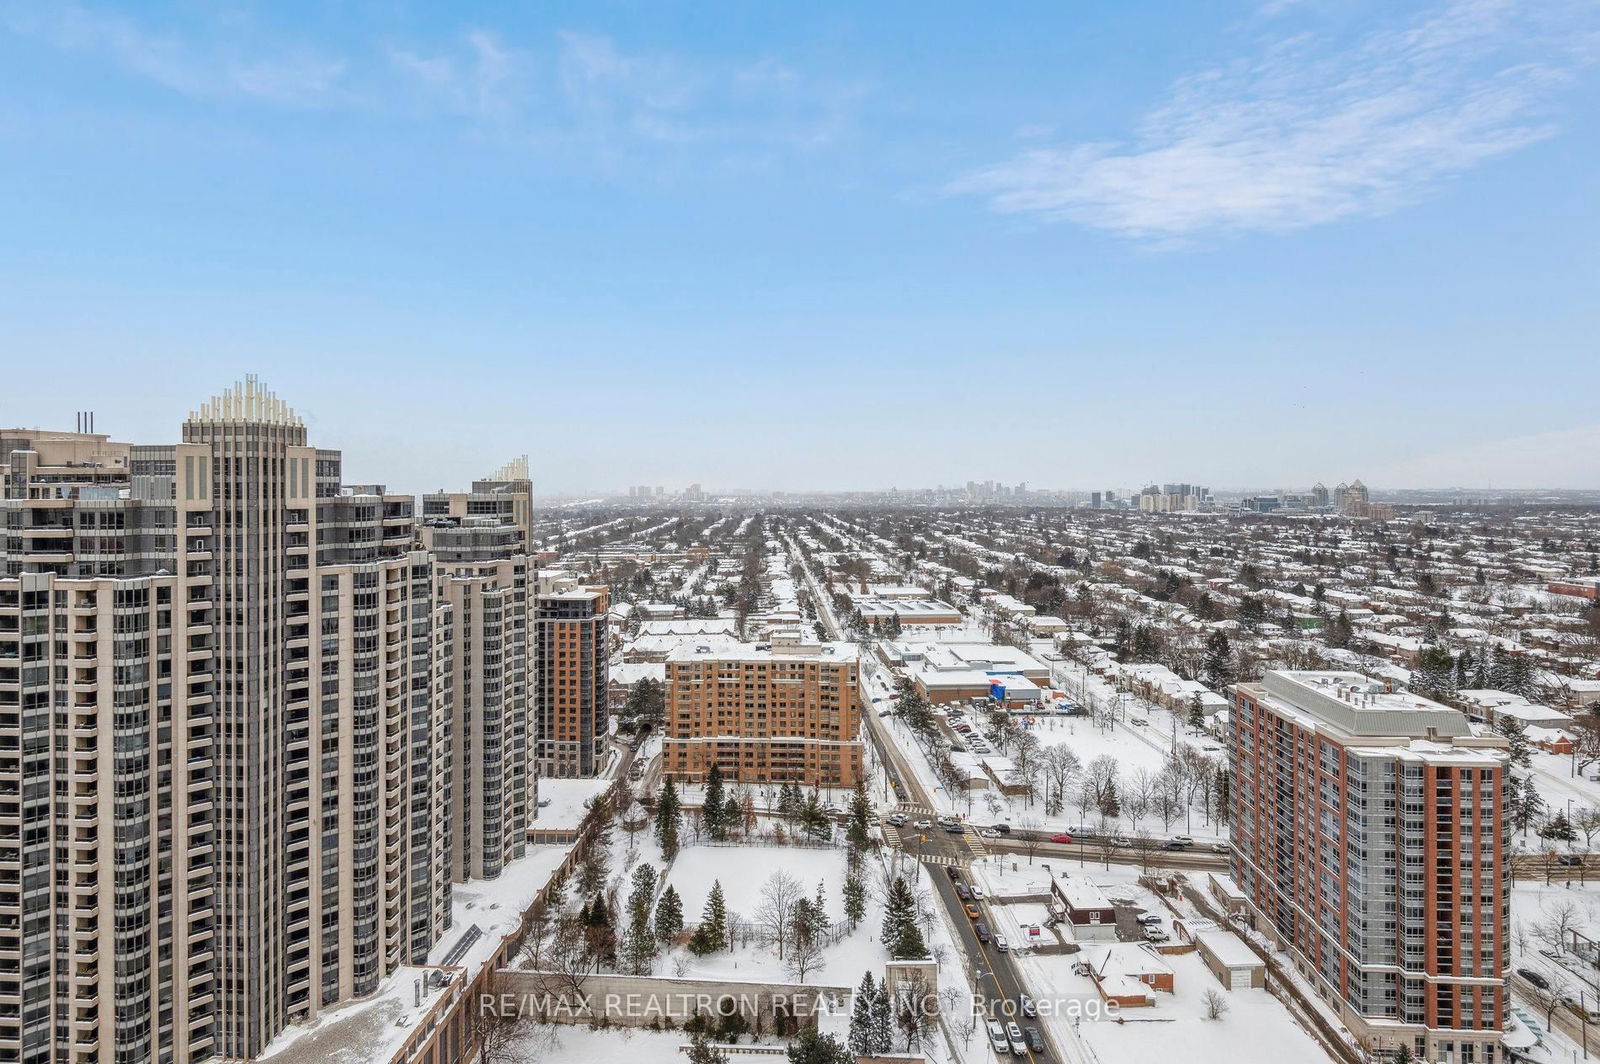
891 835
939 859
908 808
975 843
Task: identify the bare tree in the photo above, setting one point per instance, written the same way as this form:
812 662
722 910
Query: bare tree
1555 927
775 913
1137 788
1215 1004
1031 835
1059 767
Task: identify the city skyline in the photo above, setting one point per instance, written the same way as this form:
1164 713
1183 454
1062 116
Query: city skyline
1238 243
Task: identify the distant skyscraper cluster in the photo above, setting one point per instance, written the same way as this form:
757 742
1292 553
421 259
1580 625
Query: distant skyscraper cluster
264 718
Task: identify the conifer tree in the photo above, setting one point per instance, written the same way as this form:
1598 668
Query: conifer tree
669 819
669 916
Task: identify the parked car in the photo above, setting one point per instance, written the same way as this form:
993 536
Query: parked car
1061 837
1570 860
1148 919
1035 1039
998 1039
972 912
1001 943
1155 934
1019 1045
1138 722
1534 977
1026 1006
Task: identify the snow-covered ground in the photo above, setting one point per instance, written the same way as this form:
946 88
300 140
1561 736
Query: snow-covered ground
1255 1025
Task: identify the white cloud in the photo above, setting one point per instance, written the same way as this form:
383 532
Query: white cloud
1306 133
294 76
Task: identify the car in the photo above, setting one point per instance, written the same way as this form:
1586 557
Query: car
1035 1039
1019 1045
1081 831
1221 847
1155 934
977 892
1570 860
1121 842
1183 840
1534 977
953 872
982 929
1148 919
972 911
988 833
1138 722
1002 943
962 892
957 828
1026 1006
1004 829
1174 844
897 820
923 825
1061 837
998 1039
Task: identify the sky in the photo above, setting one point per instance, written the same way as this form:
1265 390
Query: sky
1241 243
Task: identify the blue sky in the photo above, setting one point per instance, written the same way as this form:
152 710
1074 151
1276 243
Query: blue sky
830 245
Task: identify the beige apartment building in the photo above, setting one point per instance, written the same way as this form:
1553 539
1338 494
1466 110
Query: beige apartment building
478 541
225 721
788 710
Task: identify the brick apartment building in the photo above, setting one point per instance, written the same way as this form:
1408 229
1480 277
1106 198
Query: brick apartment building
788 710
572 676
1370 841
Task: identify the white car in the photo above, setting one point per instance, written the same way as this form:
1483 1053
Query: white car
1001 944
1019 1046
998 1039
978 892
923 825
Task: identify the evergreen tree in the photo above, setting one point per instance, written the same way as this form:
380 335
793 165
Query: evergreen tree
861 1040
855 897
1435 671
815 1048
859 834
732 815
900 934
1197 713
1558 828
669 916
643 895
813 820
703 1052
712 934
1110 800
1516 734
714 807
669 819
882 1027
1217 662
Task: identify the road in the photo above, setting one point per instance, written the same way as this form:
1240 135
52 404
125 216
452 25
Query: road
994 974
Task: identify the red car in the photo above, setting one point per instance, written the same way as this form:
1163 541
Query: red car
1061 838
